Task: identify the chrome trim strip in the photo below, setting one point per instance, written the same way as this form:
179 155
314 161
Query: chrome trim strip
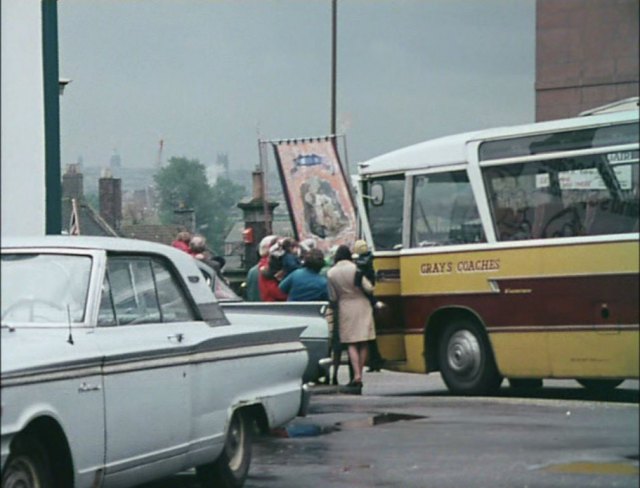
119 366
30 377
145 459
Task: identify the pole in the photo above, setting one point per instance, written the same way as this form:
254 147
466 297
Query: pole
334 21
53 187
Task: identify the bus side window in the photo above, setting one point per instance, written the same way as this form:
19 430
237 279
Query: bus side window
444 211
566 197
385 216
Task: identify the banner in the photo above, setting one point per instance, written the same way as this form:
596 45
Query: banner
317 192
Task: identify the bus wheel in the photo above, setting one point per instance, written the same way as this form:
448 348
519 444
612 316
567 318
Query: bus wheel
466 359
600 386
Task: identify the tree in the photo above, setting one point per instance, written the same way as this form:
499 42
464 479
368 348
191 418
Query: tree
226 195
183 184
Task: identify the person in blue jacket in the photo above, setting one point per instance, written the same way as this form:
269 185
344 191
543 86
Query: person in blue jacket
306 283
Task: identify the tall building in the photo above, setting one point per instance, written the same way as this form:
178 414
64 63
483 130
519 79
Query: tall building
586 55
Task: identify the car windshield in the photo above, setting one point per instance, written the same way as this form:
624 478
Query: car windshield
44 288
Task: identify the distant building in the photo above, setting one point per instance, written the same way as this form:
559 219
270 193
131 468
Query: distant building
90 222
109 220
234 245
220 169
586 55
115 162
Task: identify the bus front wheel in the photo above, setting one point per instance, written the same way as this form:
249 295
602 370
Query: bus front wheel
466 360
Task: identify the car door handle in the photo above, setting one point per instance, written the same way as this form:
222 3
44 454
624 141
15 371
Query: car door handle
176 337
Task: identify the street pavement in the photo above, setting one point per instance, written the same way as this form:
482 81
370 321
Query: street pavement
407 431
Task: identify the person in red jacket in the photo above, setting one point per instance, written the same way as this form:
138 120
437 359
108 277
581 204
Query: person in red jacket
268 283
182 241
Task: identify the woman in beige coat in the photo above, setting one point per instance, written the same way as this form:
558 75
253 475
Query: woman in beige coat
355 315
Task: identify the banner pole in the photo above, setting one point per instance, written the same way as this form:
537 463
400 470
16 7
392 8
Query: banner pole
263 169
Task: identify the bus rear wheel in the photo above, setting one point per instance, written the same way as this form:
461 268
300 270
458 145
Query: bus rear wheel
600 386
466 360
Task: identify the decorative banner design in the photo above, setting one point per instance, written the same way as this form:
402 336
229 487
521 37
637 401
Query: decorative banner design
317 192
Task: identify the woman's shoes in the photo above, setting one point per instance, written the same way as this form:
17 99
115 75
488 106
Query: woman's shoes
355 387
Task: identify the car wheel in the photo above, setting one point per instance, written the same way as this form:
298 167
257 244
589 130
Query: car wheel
27 465
466 360
231 468
600 386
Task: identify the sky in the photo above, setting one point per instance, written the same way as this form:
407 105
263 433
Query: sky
210 77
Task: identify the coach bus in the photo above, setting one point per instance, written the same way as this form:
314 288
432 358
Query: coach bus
509 253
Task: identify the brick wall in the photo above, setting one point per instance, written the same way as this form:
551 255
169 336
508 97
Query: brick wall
110 190
586 55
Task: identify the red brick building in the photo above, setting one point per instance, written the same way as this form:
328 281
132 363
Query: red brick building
586 55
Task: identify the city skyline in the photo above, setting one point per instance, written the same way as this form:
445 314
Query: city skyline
210 77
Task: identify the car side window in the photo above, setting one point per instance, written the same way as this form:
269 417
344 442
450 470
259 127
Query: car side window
106 313
140 290
133 291
173 303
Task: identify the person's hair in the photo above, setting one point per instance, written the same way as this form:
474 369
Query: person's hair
342 253
314 260
288 244
198 244
184 236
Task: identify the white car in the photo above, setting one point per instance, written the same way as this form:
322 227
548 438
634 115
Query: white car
310 315
119 367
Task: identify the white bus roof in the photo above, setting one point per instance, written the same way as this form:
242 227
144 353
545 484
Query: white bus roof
453 149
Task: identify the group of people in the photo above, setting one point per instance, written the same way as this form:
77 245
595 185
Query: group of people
288 270
292 271
196 246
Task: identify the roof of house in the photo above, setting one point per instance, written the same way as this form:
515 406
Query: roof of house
280 227
91 224
164 234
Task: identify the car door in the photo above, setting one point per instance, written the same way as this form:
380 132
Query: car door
143 314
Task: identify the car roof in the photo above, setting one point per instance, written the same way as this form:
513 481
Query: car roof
186 264
86 242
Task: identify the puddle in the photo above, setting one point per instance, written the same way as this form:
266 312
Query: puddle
595 468
383 418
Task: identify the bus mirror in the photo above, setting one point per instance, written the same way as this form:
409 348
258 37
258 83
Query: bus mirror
377 194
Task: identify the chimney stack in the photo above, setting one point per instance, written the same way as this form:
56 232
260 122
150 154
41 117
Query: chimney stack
110 190
72 186
258 217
